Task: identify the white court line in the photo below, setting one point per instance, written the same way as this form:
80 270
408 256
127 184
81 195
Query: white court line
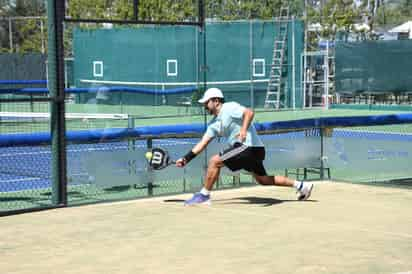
22 180
167 143
69 150
174 143
68 115
24 153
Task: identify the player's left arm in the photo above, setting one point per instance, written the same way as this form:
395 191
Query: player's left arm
248 116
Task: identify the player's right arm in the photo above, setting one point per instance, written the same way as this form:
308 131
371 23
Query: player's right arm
198 148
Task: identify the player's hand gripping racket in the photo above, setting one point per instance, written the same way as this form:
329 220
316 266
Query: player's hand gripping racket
159 158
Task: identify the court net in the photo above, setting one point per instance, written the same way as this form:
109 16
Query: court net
249 92
34 122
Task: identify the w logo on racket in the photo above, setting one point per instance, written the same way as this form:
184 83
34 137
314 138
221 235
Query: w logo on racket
160 159
157 158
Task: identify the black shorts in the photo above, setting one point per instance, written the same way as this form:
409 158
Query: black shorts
240 156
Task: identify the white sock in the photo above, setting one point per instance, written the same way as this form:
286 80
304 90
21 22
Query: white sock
205 192
298 184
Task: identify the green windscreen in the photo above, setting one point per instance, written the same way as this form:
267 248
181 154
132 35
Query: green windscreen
374 66
238 61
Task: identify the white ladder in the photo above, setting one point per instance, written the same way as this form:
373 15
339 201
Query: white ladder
276 79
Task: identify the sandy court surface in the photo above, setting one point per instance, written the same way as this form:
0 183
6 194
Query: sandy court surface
344 228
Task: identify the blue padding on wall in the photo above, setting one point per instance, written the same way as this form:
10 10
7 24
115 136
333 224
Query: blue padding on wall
25 91
99 134
15 139
352 121
119 133
170 129
23 82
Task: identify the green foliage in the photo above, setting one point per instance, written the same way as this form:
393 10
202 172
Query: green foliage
167 10
89 8
391 15
123 9
341 15
406 10
249 9
333 15
31 36
179 10
26 34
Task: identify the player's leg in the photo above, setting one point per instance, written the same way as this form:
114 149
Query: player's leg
212 174
233 158
255 165
274 180
304 189
213 171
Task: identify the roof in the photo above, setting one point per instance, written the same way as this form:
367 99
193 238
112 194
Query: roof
403 28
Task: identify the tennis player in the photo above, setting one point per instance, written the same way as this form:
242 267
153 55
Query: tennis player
233 121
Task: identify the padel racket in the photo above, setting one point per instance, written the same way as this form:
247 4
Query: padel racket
160 159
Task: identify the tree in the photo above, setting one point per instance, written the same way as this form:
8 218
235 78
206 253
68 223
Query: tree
28 36
29 7
154 10
33 36
386 13
333 16
249 9
180 10
26 33
406 9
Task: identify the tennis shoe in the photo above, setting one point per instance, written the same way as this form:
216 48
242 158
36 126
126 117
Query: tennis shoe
304 191
197 199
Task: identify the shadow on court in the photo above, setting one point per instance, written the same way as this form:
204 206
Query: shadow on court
264 201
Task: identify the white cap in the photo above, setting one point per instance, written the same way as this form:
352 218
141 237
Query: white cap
211 93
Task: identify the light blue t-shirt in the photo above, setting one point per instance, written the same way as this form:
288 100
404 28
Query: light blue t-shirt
228 124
